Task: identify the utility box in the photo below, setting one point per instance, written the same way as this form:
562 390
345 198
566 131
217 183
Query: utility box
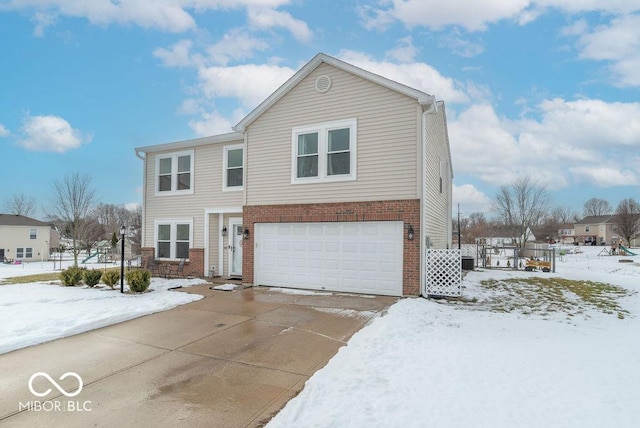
467 263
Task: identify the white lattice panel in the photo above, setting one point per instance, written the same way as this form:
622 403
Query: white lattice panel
443 273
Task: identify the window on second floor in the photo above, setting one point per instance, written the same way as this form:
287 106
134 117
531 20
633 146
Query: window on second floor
233 170
586 228
324 152
33 233
174 173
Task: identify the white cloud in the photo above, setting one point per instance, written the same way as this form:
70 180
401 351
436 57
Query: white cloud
617 43
476 16
214 123
3 131
471 199
235 45
50 134
405 51
250 83
42 20
167 15
267 18
573 142
416 75
132 206
461 46
178 55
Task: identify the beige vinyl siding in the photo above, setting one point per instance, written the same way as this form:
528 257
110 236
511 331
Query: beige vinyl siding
208 165
14 237
437 205
387 129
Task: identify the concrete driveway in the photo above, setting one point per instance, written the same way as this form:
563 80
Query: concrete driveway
232 359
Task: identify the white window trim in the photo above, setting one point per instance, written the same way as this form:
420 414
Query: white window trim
36 232
174 173
323 130
225 160
172 223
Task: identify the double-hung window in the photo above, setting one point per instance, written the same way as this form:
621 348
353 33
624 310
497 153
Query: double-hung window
324 152
33 233
173 238
233 171
28 253
19 253
174 173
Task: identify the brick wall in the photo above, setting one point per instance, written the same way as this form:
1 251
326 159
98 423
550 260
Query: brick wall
407 211
194 266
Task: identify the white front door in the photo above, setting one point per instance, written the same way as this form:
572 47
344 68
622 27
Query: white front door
235 246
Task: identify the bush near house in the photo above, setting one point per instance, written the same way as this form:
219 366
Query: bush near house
71 276
92 277
111 278
138 280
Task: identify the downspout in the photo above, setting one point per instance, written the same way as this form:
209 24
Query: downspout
144 196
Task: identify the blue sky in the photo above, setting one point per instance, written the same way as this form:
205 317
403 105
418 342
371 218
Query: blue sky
548 89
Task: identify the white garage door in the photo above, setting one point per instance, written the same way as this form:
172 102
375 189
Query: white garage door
358 257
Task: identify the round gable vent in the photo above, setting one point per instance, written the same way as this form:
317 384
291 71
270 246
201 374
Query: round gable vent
323 84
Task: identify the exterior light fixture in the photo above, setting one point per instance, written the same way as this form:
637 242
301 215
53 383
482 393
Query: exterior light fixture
224 231
245 234
123 231
410 233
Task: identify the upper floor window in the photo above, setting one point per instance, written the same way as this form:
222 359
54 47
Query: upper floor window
586 228
174 173
33 233
233 171
324 152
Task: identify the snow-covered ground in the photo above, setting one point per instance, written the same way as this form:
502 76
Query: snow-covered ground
38 312
500 357
431 363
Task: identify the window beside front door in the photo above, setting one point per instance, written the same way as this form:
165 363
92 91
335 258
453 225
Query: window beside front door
324 152
173 239
233 171
174 173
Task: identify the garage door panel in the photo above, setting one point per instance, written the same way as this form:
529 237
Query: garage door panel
363 257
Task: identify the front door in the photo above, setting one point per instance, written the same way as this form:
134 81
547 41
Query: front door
235 246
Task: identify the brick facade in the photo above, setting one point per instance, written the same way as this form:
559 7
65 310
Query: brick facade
194 266
407 211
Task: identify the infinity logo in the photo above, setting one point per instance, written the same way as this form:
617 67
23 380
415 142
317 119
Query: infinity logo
54 383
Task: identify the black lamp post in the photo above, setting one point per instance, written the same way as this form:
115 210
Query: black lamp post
123 229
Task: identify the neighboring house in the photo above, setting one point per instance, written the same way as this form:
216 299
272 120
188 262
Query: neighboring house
502 237
26 239
566 233
335 182
596 230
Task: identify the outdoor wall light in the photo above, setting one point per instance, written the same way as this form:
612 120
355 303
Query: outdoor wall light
224 231
410 233
245 235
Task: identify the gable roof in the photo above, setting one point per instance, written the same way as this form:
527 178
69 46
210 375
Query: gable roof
596 219
20 220
424 99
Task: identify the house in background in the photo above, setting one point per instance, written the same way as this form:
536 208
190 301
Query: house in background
596 230
25 239
338 181
566 233
502 236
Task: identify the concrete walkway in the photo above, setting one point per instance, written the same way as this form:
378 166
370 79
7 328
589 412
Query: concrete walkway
232 359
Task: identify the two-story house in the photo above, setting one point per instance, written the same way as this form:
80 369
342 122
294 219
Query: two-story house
596 230
337 181
25 239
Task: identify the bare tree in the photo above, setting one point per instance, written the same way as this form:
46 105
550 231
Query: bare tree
521 206
71 202
562 215
627 218
20 204
596 206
